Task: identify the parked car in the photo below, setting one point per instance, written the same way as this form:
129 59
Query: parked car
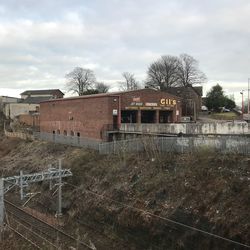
225 110
204 108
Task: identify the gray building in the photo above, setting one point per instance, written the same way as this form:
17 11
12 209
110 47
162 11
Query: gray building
7 99
29 102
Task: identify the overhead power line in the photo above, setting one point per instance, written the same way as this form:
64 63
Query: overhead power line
165 219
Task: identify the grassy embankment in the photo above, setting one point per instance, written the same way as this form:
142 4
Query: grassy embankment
204 190
224 116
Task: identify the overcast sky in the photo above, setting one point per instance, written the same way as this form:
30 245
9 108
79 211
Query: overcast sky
41 41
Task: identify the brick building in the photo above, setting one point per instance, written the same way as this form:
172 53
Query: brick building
89 116
191 100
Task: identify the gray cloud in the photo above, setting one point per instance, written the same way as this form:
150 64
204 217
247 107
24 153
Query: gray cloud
41 41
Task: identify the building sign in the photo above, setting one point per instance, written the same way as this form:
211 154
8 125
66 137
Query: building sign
131 108
136 99
151 104
136 104
115 112
167 102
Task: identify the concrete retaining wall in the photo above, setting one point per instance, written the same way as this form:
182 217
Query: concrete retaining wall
225 144
226 128
68 140
20 135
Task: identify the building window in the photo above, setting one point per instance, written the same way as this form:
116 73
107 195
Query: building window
72 133
54 131
78 134
64 132
148 116
128 116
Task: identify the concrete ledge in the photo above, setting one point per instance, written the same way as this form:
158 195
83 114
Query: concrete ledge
226 128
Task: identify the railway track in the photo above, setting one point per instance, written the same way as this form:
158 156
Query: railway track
39 233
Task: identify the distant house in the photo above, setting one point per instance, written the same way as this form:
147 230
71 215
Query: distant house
7 99
191 99
30 102
44 93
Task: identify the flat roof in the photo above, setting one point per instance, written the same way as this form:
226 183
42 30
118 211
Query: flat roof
110 94
10 97
41 91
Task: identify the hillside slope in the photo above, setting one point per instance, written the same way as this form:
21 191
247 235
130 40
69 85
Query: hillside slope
204 190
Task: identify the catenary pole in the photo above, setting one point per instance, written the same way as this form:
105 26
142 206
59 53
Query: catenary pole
21 184
60 189
23 180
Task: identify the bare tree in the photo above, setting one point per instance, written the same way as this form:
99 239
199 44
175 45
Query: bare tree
102 87
130 82
80 80
188 71
172 71
155 77
163 73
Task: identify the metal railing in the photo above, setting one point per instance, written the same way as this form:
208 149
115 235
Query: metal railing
222 144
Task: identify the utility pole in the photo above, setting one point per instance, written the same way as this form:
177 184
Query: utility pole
242 108
59 213
195 114
248 104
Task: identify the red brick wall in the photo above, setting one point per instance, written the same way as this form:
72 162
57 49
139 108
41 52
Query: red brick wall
30 120
86 116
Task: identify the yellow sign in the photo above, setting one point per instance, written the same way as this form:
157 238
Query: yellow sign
168 102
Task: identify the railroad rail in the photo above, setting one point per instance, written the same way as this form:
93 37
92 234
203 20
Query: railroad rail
39 233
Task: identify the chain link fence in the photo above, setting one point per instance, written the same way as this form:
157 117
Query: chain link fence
223 144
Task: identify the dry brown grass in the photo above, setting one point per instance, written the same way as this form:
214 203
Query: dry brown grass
193 187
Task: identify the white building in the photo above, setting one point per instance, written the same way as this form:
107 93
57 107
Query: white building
7 99
11 110
29 102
